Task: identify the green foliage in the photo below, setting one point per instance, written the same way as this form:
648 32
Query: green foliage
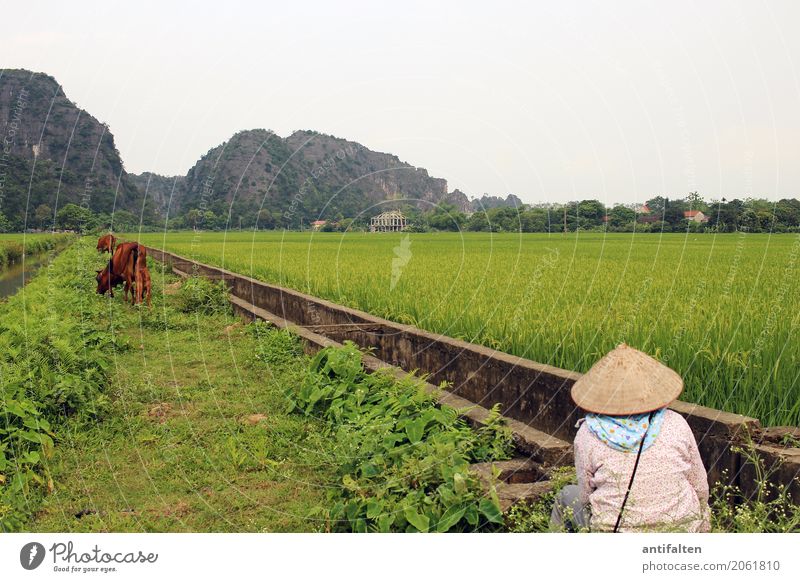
535 517
200 295
275 346
769 509
5 223
12 250
402 463
56 352
77 218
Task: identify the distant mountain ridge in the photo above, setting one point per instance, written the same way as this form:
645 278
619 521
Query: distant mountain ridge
55 153
306 174
59 154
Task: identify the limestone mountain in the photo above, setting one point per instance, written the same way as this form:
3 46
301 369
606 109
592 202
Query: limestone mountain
55 153
164 192
305 176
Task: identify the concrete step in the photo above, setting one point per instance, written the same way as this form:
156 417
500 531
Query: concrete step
518 480
517 470
510 494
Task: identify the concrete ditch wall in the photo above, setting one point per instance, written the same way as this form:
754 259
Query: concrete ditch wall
533 395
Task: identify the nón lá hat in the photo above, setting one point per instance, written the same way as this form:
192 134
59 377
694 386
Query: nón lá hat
626 381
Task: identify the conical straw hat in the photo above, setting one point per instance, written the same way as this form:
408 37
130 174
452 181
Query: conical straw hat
626 381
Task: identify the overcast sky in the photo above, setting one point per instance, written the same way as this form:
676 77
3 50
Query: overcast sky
557 101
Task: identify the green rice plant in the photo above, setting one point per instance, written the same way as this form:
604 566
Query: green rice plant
721 309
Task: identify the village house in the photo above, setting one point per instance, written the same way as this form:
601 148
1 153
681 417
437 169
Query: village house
318 224
695 216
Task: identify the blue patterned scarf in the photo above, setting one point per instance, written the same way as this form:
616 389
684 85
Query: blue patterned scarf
624 433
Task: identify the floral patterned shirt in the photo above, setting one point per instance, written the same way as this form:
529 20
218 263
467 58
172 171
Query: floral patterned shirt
670 490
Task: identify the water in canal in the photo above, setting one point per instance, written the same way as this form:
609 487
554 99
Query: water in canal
18 274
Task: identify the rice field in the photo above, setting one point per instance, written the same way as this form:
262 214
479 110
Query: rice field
722 310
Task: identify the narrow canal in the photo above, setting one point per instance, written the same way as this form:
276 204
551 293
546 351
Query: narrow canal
18 274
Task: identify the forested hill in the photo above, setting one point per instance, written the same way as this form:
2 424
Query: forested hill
57 153
305 176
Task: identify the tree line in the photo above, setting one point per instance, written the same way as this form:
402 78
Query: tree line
658 214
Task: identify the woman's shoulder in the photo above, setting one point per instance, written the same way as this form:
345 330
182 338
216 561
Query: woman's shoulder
586 439
582 434
676 420
675 426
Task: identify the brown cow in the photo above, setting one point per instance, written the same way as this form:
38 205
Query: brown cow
106 243
143 283
121 268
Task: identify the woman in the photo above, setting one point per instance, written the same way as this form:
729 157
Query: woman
637 463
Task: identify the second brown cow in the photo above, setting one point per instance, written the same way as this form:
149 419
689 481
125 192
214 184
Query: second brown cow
142 280
121 269
106 243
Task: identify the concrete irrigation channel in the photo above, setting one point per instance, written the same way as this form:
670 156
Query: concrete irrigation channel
534 397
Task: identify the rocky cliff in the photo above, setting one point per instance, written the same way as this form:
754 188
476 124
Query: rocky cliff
55 153
308 174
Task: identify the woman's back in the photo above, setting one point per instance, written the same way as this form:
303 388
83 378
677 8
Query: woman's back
669 492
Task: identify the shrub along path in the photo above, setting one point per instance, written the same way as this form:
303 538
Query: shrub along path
195 435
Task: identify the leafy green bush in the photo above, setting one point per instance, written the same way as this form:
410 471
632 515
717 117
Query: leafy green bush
401 461
54 356
275 346
535 517
201 295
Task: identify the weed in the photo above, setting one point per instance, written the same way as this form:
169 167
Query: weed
401 462
55 349
768 509
203 296
275 346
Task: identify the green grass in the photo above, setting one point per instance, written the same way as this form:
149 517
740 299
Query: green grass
14 246
181 445
722 310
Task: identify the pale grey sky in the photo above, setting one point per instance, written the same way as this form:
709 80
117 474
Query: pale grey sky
551 100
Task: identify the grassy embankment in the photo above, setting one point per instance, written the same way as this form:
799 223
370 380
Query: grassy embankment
118 418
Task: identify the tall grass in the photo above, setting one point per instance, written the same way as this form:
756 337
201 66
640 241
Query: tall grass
722 310
54 354
14 246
